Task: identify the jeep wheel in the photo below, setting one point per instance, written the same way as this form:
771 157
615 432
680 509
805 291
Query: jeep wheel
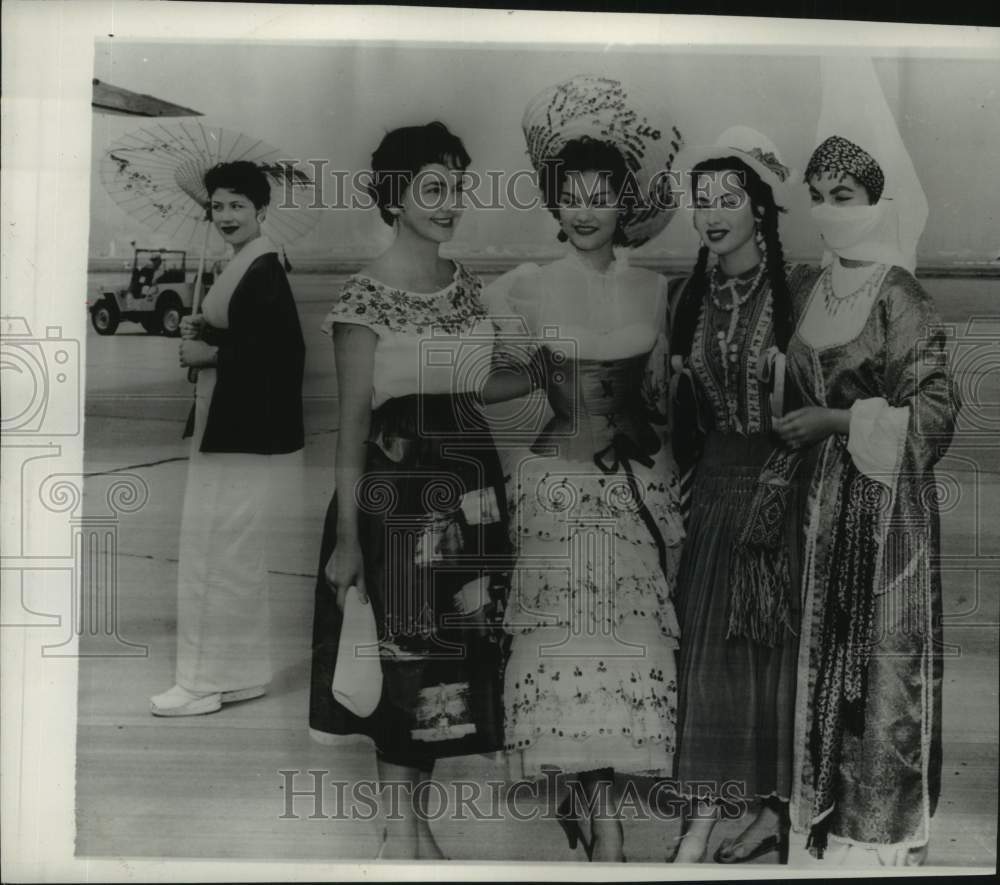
168 314
104 317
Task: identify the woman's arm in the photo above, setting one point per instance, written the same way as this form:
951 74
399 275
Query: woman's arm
354 355
655 383
917 377
517 366
510 378
810 424
916 410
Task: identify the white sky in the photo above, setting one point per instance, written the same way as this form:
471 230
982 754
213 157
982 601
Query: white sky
335 101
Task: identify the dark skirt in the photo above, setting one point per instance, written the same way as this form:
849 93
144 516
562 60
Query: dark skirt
736 696
432 519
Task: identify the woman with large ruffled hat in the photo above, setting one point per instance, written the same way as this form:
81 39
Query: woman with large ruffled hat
590 688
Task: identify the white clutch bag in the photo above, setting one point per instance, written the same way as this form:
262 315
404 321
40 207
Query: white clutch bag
357 674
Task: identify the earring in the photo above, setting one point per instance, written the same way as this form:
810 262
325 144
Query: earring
760 239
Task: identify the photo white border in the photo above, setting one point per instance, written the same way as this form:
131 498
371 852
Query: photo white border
48 59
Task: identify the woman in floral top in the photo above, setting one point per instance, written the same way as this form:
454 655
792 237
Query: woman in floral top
418 523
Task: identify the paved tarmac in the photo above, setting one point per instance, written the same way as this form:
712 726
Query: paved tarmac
211 786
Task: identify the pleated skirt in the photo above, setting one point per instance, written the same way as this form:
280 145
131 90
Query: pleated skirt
736 697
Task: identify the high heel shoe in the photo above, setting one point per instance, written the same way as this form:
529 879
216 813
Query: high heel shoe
778 842
384 844
566 815
672 857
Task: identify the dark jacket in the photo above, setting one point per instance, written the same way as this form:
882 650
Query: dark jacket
257 403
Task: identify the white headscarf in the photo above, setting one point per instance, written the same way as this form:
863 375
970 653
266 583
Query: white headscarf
854 107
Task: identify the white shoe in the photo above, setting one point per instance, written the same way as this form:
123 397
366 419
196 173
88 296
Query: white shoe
243 694
178 701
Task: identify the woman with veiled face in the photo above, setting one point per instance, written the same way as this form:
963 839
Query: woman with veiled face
869 356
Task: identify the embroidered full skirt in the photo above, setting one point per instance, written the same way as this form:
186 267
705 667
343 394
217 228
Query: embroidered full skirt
432 521
591 679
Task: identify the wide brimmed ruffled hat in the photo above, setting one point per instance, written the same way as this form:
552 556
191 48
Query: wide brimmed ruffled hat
753 148
602 109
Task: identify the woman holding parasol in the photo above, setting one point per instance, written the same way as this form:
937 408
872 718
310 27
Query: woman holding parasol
248 349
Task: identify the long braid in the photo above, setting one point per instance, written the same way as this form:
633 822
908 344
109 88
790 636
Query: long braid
686 317
783 317
686 440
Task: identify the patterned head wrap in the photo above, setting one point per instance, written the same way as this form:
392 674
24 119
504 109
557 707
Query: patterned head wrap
600 109
838 155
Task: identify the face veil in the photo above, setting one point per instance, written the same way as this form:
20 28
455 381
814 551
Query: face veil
857 134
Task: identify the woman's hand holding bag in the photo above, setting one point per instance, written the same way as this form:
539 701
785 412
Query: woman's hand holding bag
345 569
357 674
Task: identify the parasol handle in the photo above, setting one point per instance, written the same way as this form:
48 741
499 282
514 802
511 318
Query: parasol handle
196 300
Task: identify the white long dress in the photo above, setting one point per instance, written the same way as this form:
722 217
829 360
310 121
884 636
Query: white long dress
223 634
232 504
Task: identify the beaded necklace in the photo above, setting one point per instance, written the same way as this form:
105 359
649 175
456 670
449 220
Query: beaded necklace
728 348
834 301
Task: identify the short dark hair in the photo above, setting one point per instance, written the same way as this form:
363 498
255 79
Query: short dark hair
403 153
241 177
583 155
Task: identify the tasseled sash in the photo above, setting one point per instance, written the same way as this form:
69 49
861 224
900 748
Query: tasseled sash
847 632
759 604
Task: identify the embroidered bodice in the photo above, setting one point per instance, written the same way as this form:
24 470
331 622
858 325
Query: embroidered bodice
424 339
593 402
735 396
